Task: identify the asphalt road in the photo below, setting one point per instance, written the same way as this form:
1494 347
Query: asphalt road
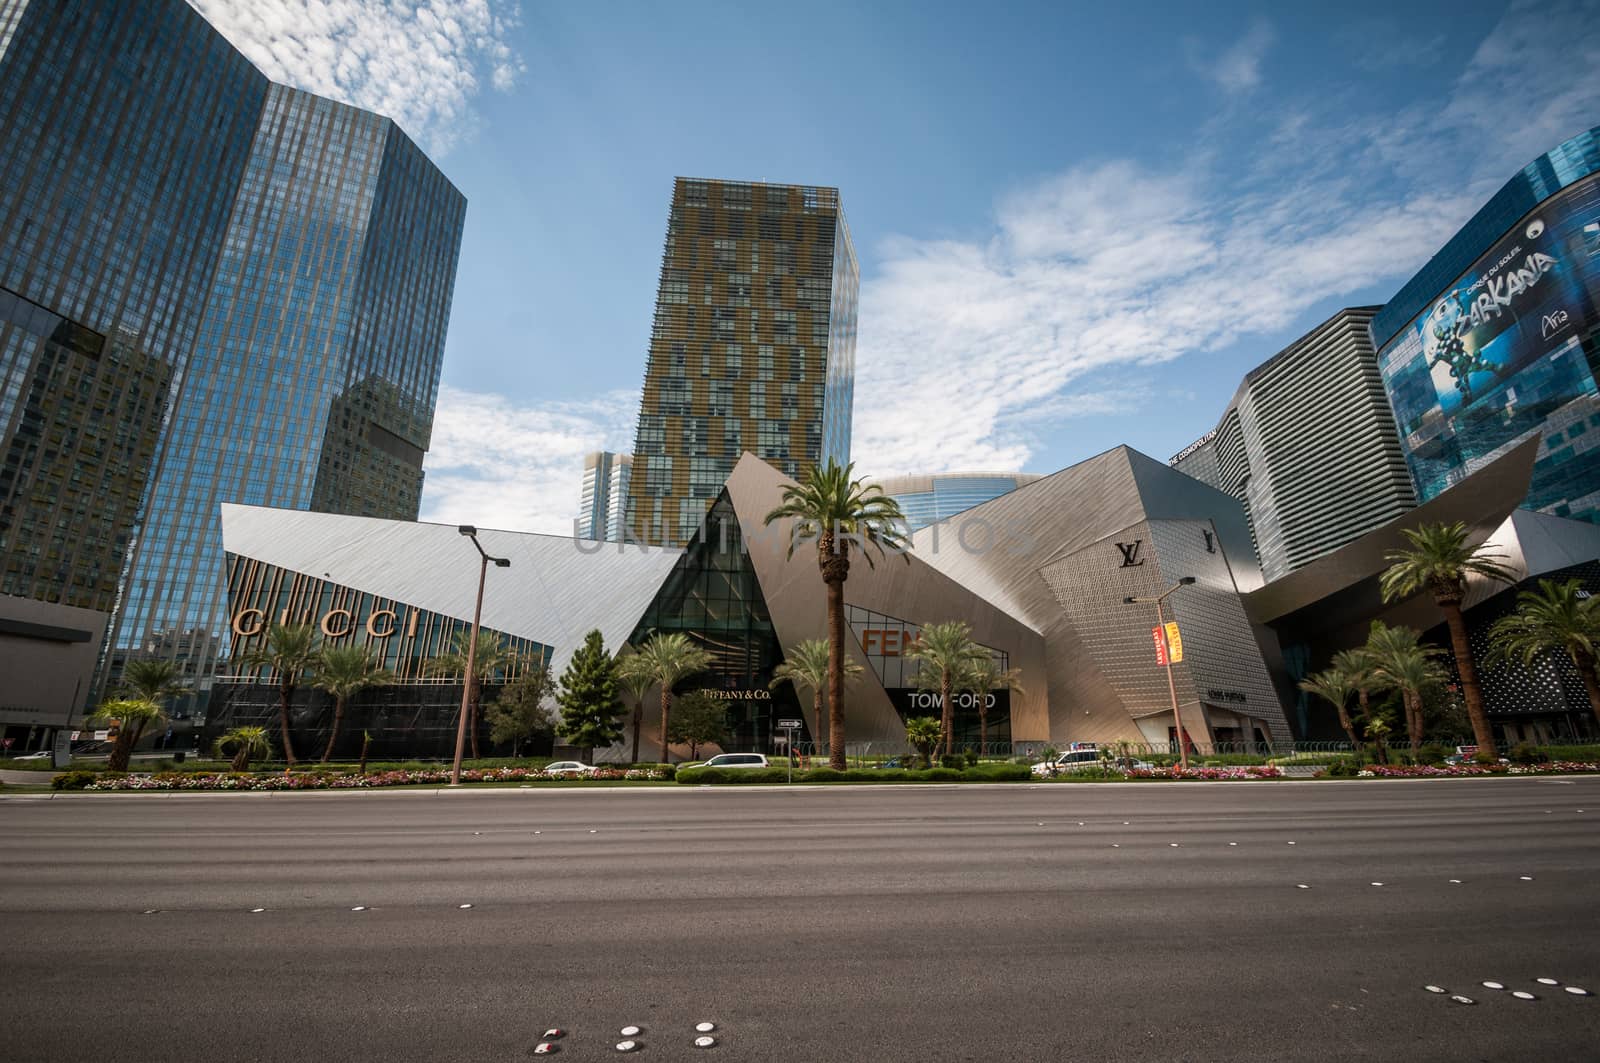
949 923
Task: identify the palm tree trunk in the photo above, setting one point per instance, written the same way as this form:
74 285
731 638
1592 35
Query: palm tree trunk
121 751
947 718
835 672
816 712
333 734
1363 700
983 725
285 692
666 707
241 760
1349 728
366 740
638 721
1413 704
1467 668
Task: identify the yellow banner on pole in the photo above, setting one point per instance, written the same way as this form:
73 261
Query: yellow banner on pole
1174 642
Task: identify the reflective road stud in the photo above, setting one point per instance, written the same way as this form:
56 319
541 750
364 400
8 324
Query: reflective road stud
543 1048
627 1046
1523 995
1577 991
554 1034
1459 999
1435 988
705 1027
704 1042
630 1031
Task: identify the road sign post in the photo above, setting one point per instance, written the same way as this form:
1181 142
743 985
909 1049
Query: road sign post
790 729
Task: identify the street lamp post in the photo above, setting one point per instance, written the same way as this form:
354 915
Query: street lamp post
472 646
1172 689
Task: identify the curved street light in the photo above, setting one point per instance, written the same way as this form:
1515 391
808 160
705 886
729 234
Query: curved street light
1161 625
472 646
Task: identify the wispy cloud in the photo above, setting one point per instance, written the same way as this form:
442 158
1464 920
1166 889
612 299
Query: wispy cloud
1115 264
420 62
501 464
1238 67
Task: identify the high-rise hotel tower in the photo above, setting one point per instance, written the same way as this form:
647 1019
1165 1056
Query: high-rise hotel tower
213 288
752 347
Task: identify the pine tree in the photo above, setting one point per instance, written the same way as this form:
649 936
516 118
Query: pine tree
591 713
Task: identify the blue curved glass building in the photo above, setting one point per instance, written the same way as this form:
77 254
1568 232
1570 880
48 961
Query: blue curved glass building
1498 338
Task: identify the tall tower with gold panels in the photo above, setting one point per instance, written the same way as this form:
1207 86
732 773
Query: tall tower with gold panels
752 347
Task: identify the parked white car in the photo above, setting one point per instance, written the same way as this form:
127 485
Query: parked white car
568 767
731 760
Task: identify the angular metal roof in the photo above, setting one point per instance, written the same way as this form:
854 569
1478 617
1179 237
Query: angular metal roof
556 590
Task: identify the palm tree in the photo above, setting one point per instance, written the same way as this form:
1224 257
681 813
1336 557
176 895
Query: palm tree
1553 619
344 672
133 715
924 733
670 658
981 678
151 679
494 655
944 652
834 509
806 666
1356 667
288 650
1439 561
1401 663
247 743
1334 685
635 677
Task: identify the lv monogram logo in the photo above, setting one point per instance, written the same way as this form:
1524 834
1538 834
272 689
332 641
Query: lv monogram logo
1130 553
1211 542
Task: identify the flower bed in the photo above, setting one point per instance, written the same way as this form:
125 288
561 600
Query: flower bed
338 781
1209 774
1448 771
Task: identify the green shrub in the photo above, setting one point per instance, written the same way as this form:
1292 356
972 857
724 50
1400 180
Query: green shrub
1432 753
1483 756
1343 768
822 775
74 780
940 774
997 773
1526 754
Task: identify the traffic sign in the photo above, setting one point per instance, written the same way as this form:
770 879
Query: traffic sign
790 725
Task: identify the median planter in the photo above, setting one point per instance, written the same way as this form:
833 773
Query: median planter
331 780
876 776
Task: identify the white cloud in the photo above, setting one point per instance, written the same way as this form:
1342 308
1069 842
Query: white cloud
969 349
499 464
1237 69
420 62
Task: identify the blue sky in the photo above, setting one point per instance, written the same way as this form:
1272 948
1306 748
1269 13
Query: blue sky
1079 224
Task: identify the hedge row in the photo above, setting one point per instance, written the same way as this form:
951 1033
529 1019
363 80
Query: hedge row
980 773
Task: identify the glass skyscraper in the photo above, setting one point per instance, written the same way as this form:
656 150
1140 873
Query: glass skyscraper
252 285
927 500
752 347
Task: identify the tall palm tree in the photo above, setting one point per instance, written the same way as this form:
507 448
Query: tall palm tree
1553 619
635 678
805 666
494 655
836 510
1401 663
944 651
344 672
980 679
1334 686
288 650
133 715
247 743
1439 561
670 658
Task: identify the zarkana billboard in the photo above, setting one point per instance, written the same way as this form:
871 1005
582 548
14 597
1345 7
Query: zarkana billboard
1510 349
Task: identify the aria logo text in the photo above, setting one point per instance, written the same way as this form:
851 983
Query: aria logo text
1553 323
